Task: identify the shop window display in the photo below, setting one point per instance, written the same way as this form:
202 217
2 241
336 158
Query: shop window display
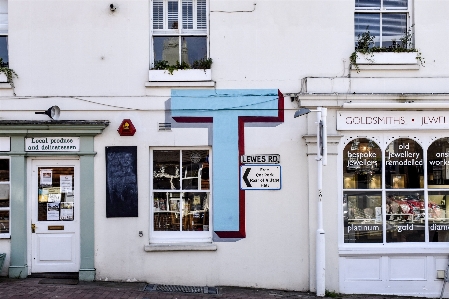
385 196
181 197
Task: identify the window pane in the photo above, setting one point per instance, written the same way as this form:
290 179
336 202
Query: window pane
438 164
166 169
166 48
367 4
167 215
195 211
187 14
394 26
4 222
395 4
4 170
405 216
4 195
367 22
194 48
438 216
193 163
172 15
201 22
404 165
362 213
362 165
158 15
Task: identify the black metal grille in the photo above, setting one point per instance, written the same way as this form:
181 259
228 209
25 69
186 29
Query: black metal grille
180 289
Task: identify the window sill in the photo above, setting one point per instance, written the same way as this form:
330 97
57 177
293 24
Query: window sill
189 76
180 247
387 61
180 84
5 236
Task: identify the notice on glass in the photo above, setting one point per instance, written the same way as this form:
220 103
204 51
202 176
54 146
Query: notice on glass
66 212
66 184
43 195
54 194
53 211
46 177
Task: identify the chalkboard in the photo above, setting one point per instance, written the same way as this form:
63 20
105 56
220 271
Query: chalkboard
121 181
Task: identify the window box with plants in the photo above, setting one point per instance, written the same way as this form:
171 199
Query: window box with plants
397 53
198 71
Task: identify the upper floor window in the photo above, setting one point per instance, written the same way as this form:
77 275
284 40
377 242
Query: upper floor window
4 197
386 20
4 31
179 31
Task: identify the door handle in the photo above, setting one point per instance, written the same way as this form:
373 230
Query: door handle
33 228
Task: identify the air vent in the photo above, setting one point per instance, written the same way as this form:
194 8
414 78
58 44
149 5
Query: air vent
164 126
180 289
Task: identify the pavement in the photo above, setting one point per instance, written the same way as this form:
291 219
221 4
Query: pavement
67 288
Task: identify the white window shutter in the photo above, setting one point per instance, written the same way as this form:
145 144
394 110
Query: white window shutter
201 22
172 15
187 14
158 14
3 17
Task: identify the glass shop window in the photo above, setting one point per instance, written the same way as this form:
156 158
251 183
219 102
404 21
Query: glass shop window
181 191
5 197
394 203
362 200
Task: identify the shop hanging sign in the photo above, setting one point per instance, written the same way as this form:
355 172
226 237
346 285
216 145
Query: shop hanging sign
52 144
260 177
392 120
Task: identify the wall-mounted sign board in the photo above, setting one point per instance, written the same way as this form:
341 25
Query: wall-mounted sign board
260 177
52 144
260 159
5 144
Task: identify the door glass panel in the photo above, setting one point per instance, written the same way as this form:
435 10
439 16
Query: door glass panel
4 222
56 193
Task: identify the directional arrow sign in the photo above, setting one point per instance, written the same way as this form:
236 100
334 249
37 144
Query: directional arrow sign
260 177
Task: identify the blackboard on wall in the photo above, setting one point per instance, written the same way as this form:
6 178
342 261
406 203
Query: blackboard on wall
121 181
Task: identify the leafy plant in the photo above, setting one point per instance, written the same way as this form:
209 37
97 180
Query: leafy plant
332 294
365 45
204 63
9 73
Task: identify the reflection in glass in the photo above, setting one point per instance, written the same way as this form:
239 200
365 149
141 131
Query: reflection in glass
404 164
394 27
166 169
4 170
4 195
167 216
367 4
167 48
362 165
438 216
194 167
362 215
438 164
4 50
195 211
405 212
367 22
4 222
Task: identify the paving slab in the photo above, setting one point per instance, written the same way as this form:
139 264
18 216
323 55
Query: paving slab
35 288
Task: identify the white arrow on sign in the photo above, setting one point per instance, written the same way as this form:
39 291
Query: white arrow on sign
260 177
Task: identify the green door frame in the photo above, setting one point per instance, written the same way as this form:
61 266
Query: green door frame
18 131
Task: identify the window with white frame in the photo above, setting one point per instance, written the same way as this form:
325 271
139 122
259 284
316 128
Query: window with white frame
181 197
179 31
399 193
4 32
4 197
386 20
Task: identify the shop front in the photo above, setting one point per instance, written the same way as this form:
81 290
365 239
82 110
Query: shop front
394 228
46 195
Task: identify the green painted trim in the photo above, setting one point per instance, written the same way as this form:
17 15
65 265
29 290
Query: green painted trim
18 212
87 233
87 274
40 154
18 272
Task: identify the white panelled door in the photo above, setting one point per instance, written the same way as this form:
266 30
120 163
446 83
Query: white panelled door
55 216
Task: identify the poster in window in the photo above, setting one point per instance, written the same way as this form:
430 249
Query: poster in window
65 181
46 177
66 212
54 194
121 181
53 211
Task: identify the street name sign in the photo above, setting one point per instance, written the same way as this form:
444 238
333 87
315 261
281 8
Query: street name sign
260 177
260 159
